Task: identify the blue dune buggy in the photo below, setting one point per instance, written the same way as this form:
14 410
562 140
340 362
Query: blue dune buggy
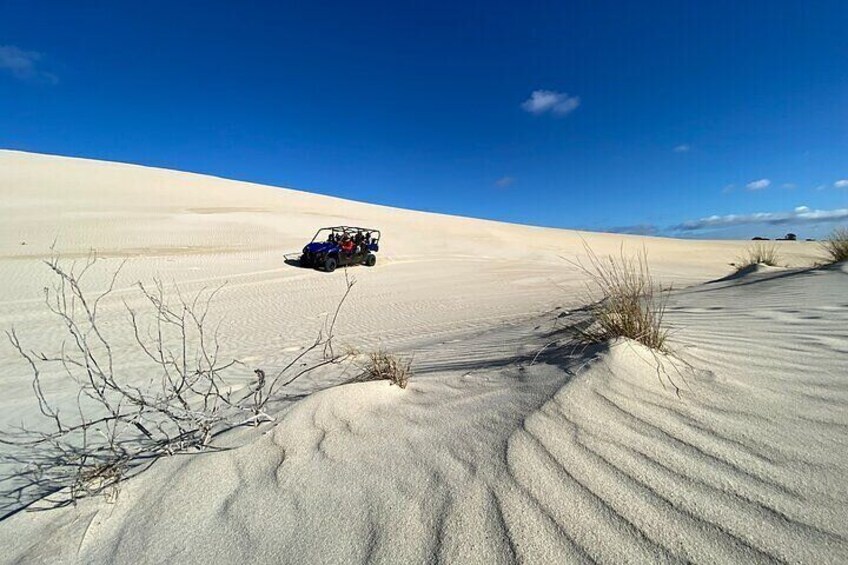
340 246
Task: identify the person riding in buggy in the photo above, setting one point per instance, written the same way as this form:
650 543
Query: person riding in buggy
341 246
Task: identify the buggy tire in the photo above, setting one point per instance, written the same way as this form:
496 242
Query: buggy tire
370 260
305 261
330 264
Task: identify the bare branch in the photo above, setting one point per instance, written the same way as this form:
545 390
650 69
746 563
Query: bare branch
116 427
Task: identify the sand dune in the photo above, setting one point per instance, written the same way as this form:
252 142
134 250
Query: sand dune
581 457
436 275
507 446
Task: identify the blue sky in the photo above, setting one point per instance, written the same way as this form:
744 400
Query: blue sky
692 119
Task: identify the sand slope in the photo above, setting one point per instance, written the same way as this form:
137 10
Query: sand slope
580 457
487 457
435 273
437 276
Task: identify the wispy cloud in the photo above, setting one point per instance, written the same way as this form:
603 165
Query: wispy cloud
544 101
505 182
682 148
638 229
24 64
841 183
801 214
790 185
758 184
728 188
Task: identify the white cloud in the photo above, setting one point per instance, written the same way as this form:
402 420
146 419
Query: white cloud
505 182
758 184
801 214
728 188
790 186
557 103
683 148
24 64
841 183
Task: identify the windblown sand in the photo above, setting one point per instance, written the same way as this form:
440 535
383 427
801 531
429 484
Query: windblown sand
508 445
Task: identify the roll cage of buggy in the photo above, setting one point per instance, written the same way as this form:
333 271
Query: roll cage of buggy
341 246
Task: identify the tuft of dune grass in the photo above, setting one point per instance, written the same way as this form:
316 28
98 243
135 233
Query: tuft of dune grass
383 366
628 302
835 246
758 254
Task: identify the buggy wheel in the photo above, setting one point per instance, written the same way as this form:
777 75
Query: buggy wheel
330 265
305 261
370 260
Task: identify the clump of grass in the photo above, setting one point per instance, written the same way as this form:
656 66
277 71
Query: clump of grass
629 303
382 366
835 246
759 254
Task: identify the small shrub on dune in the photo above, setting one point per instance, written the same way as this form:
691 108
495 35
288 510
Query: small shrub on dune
629 303
116 427
382 366
759 254
836 246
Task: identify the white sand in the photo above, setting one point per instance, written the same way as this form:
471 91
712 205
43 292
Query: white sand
485 457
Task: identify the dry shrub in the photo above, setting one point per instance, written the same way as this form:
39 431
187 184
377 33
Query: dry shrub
627 301
116 425
382 366
759 254
835 246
